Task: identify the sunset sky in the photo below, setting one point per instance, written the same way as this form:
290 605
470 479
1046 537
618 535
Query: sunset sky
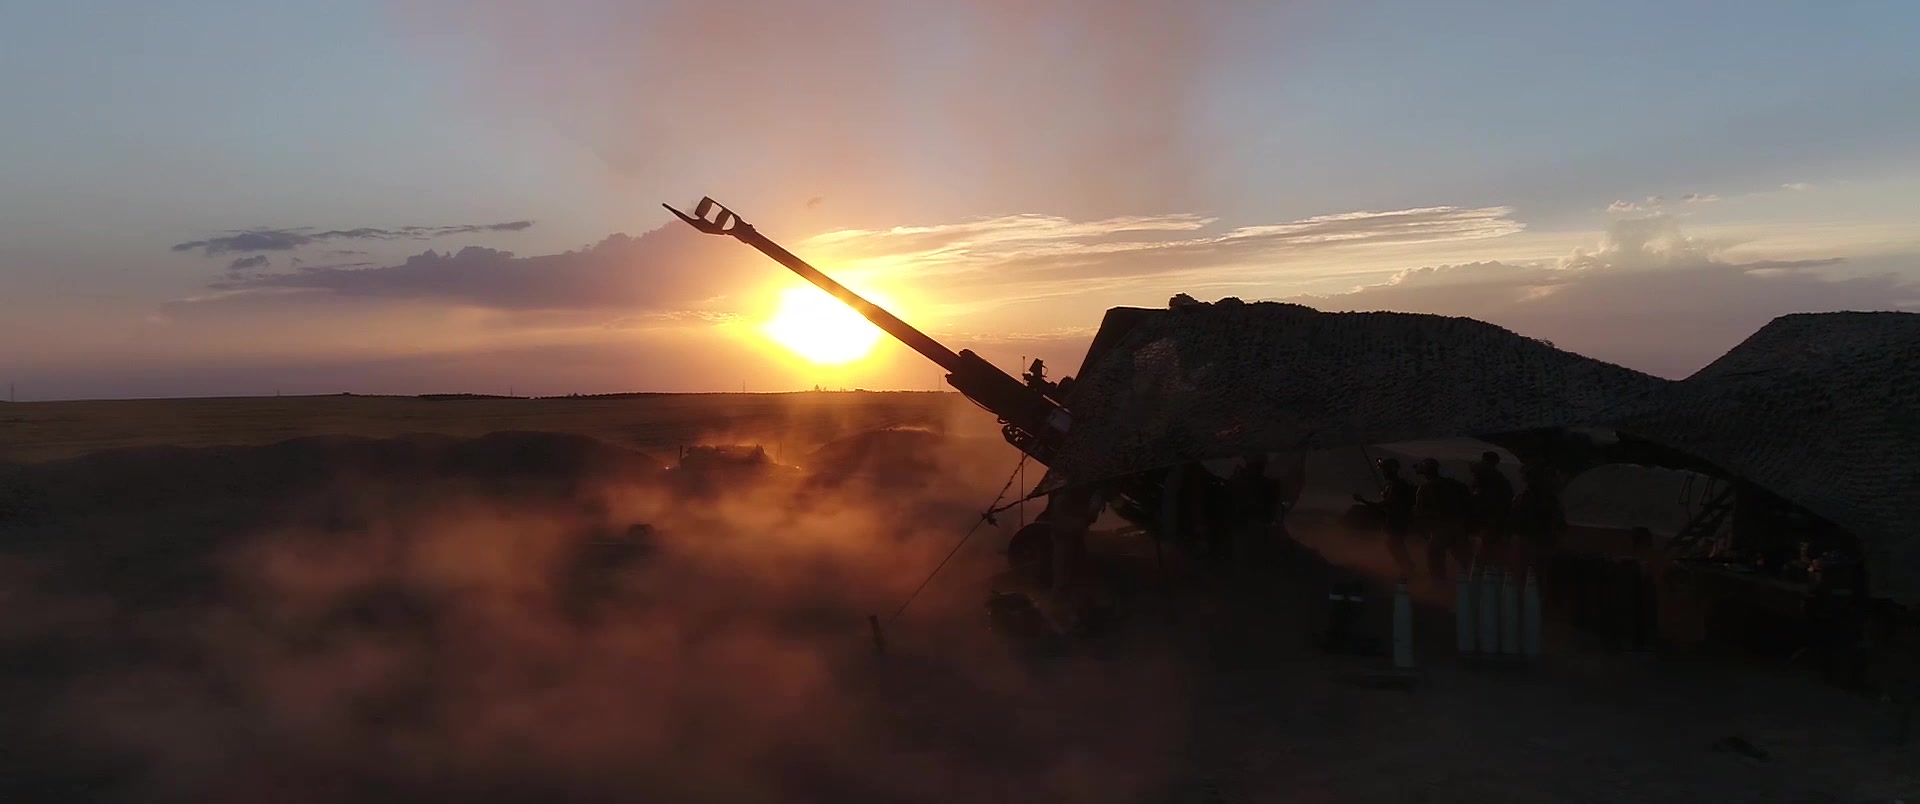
213 198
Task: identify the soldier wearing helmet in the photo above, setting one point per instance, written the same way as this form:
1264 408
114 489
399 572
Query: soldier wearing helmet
1396 503
1442 510
1492 507
1538 518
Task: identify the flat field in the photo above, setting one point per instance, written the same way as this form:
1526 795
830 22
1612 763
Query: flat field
474 620
655 423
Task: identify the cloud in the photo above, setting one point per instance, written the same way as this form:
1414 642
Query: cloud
1113 123
255 261
665 269
510 226
1654 241
1796 186
1006 256
671 318
1654 203
1648 296
1072 256
252 240
1003 235
257 240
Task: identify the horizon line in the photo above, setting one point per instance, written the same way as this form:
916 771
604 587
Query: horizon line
458 396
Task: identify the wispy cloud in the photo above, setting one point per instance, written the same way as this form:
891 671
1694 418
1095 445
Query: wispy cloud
666 269
1025 235
1006 257
249 263
1648 295
997 236
672 318
1035 256
1654 203
253 240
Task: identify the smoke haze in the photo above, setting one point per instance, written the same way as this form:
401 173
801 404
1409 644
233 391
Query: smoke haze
343 620
1073 101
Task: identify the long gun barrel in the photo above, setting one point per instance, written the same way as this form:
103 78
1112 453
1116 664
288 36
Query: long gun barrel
1031 421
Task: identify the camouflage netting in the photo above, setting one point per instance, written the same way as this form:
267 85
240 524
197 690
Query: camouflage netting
1228 379
1823 410
1820 409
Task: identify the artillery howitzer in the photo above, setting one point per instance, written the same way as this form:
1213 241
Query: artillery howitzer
1034 416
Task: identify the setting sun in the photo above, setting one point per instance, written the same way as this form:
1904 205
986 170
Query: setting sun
820 328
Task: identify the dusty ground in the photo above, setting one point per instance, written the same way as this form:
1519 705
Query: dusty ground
346 628
1274 719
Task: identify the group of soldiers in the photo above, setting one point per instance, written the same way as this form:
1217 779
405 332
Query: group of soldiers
1481 522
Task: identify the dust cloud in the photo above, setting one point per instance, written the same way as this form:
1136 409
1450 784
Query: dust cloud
431 620
866 102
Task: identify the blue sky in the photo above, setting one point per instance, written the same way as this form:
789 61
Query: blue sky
133 128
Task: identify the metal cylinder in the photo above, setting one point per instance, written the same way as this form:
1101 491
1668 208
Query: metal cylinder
1509 614
1530 616
1487 598
1463 617
1402 627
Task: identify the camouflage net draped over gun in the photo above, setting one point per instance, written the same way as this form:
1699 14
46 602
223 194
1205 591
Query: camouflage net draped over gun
1822 410
1227 379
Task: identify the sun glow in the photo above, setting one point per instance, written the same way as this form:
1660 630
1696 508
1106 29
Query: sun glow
820 328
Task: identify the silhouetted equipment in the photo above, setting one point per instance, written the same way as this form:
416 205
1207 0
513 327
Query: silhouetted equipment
1346 601
1164 396
1032 413
1036 378
1030 420
1036 373
1705 524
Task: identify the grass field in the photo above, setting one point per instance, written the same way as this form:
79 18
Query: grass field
784 423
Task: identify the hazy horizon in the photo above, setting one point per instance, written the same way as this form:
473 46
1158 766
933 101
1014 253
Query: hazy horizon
487 395
421 196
